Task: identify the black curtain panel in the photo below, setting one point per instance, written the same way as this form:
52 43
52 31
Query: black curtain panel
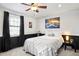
6 35
1 43
21 30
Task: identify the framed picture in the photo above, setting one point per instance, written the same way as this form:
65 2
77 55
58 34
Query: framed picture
52 23
30 24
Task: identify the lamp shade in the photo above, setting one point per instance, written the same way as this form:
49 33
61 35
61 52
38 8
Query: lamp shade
67 37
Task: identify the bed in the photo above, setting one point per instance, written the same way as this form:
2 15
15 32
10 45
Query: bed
43 45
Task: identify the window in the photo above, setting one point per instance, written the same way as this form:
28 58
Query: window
14 25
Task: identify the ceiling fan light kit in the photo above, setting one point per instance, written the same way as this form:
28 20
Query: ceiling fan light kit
34 6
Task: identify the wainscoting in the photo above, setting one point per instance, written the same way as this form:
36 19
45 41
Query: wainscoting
0 43
16 41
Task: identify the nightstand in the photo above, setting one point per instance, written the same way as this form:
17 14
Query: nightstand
72 42
67 41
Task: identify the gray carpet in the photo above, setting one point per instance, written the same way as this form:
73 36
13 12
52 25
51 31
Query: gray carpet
68 52
19 52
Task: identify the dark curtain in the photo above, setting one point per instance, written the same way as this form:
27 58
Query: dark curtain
6 35
21 30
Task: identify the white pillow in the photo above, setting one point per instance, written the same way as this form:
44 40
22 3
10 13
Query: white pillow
50 35
54 34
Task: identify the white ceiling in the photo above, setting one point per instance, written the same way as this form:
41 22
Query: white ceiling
52 9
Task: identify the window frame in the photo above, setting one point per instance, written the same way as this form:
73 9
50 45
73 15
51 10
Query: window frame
17 20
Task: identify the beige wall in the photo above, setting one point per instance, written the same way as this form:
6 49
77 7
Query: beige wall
69 22
28 30
1 22
26 21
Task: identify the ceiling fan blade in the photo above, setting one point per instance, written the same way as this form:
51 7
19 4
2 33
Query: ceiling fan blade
32 4
28 9
42 6
25 4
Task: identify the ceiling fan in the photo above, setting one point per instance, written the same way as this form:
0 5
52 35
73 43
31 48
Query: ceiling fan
34 6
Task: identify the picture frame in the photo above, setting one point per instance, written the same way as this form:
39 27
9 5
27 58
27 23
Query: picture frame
30 24
52 23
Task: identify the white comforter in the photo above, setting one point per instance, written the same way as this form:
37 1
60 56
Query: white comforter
43 45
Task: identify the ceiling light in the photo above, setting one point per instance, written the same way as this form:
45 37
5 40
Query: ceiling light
59 5
33 8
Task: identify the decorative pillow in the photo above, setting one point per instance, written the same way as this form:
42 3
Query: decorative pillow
50 34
